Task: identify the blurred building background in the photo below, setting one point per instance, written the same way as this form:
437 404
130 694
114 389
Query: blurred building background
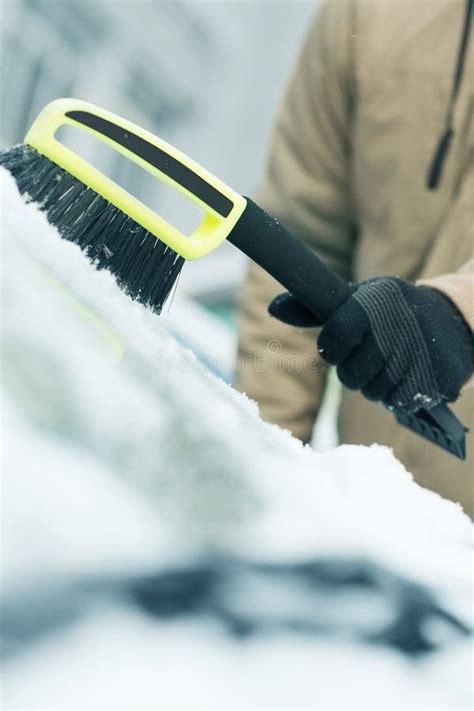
205 76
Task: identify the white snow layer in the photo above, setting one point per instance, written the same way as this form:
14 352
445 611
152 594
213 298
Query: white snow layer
122 454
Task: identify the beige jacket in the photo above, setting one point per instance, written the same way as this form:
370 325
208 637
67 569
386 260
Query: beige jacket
346 172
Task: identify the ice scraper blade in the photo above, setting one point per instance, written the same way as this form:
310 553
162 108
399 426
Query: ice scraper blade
439 425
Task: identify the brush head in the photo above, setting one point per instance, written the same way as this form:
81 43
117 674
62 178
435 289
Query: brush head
115 229
145 268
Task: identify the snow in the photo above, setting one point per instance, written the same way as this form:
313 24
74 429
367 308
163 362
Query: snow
125 457
213 341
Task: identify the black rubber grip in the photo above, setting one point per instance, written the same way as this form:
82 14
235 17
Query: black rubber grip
297 268
158 158
322 291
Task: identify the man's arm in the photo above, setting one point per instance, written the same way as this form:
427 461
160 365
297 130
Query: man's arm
306 186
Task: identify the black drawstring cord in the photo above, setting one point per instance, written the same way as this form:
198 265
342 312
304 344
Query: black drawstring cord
436 168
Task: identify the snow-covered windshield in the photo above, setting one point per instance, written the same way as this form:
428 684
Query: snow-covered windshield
163 547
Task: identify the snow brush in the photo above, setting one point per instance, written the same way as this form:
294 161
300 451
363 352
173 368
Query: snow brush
145 253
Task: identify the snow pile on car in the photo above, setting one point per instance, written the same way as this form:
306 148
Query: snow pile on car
165 548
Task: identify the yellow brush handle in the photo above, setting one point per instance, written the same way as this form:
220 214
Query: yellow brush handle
222 206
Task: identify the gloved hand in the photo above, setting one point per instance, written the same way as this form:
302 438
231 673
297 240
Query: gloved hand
403 344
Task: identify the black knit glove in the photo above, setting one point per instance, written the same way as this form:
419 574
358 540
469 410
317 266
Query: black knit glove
405 345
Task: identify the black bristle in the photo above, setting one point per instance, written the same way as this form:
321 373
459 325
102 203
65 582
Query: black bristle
145 268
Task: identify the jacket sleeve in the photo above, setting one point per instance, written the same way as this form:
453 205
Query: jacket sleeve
306 186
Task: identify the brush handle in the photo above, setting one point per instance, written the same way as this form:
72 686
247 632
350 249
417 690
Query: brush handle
322 291
269 244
